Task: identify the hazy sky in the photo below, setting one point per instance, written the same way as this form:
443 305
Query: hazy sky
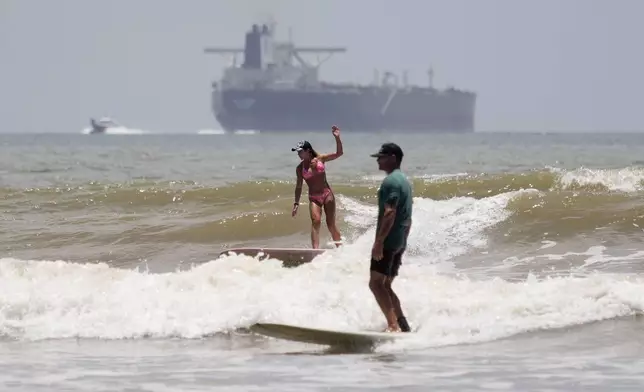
536 64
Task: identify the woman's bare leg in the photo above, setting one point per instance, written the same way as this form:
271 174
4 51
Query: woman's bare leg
316 220
329 211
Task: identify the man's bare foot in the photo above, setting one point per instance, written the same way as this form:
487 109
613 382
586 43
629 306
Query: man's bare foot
392 329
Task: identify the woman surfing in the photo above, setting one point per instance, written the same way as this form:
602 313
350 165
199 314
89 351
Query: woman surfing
312 170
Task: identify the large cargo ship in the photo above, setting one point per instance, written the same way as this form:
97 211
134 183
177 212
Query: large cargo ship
274 89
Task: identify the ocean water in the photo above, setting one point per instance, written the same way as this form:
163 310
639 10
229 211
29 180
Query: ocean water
524 270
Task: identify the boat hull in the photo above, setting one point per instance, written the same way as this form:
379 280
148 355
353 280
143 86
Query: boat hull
366 109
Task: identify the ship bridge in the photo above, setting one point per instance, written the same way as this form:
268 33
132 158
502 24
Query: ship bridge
271 64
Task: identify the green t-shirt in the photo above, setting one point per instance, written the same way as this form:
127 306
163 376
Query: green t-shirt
395 188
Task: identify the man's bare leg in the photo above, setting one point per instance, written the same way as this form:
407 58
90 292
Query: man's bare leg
378 286
401 321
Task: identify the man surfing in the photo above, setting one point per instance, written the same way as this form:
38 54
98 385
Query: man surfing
394 223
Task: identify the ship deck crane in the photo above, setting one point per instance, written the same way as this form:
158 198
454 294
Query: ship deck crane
295 52
261 51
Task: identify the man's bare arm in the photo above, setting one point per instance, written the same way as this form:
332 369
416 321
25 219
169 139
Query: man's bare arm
386 223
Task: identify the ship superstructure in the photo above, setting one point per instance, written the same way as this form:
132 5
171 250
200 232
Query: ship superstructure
275 89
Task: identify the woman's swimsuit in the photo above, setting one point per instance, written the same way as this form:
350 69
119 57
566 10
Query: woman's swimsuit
307 174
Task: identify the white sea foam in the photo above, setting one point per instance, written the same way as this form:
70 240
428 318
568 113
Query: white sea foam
57 299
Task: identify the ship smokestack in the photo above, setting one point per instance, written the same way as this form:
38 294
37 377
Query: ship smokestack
252 49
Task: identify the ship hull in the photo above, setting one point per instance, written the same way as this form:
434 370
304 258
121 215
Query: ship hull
369 109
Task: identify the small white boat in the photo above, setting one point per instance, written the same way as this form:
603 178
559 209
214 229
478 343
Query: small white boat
102 124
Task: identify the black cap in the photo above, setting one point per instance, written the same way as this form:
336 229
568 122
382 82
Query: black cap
389 149
302 145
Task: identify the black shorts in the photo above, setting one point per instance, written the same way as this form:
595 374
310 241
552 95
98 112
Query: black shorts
389 264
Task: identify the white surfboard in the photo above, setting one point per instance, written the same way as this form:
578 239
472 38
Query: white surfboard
326 337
